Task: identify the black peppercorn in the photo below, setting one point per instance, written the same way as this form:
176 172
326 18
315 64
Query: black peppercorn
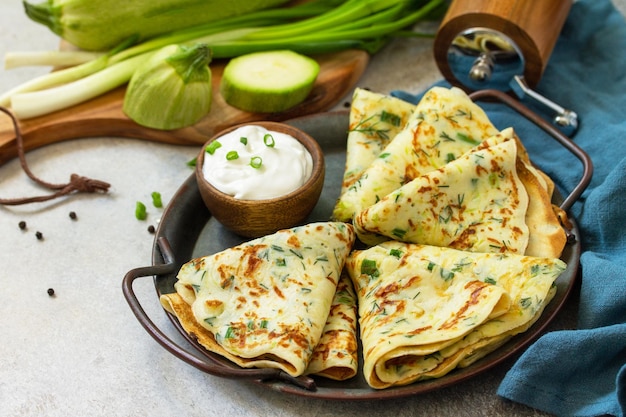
39 235
22 225
73 215
51 292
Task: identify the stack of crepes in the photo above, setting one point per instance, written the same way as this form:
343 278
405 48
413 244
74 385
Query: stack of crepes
279 301
463 253
445 177
465 238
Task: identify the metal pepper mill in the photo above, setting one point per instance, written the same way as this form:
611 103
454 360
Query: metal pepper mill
503 45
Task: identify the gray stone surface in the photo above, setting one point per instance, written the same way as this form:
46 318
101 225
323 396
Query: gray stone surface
82 352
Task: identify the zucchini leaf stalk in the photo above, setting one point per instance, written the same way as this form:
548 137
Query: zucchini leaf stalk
172 89
47 14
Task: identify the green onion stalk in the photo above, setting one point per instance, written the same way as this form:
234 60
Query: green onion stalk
318 26
52 58
66 75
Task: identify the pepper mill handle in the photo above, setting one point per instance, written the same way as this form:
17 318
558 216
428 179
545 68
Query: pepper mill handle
533 26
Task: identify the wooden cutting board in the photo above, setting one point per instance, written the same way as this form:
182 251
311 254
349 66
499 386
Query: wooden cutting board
103 116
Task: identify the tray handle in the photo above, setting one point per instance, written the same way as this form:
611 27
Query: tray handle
566 142
214 368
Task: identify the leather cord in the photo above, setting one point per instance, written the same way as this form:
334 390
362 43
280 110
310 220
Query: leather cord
76 184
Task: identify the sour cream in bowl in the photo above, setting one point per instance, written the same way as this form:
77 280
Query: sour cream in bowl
260 177
255 163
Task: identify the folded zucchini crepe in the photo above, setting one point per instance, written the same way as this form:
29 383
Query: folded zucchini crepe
425 310
336 355
445 124
375 119
265 302
476 202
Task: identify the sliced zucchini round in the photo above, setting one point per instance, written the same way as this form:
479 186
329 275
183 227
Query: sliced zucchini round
268 82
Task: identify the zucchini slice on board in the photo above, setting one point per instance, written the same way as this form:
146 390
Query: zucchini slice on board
268 82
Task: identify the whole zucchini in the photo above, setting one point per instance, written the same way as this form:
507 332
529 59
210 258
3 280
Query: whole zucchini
97 25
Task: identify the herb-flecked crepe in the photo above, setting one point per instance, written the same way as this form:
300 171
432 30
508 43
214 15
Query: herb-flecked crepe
476 202
425 310
445 124
264 303
336 355
375 119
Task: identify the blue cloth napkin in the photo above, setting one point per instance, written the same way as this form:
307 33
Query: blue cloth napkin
582 372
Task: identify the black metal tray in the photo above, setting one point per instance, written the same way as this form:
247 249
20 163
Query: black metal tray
187 230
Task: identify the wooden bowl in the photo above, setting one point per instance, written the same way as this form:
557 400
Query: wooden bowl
255 218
